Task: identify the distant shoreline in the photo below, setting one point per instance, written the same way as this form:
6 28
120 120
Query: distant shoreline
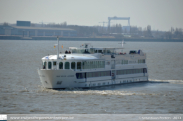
90 39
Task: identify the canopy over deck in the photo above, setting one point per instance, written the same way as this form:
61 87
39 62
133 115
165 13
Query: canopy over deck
91 50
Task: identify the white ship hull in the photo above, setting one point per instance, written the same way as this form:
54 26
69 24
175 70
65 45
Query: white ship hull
57 79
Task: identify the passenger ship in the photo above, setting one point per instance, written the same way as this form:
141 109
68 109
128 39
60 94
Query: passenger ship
88 66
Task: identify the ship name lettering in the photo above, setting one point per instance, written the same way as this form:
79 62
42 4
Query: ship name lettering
70 76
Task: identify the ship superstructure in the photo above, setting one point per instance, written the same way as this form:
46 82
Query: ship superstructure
88 66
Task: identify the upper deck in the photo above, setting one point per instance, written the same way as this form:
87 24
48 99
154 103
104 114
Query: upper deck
105 51
72 57
94 58
96 53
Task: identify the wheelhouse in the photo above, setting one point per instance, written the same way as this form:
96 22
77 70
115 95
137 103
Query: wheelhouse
73 64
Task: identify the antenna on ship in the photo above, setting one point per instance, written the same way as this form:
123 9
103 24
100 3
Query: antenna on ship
122 43
57 47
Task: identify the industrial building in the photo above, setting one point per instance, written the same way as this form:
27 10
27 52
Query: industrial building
24 29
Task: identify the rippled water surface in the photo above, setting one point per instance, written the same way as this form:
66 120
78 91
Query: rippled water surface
21 90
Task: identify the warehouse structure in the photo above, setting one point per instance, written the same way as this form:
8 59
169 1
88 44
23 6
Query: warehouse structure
24 29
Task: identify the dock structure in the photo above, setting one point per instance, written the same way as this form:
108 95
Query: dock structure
117 18
24 29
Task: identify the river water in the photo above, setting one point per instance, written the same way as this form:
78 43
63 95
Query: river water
21 90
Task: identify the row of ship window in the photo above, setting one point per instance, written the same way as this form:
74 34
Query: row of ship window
126 61
107 83
141 61
76 65
108 73
131 71
82 65
92 74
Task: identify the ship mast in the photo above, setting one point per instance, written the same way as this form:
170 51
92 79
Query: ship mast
57 47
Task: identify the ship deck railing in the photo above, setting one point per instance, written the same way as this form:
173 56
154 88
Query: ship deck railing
117 53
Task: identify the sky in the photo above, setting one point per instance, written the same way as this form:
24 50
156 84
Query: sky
160 14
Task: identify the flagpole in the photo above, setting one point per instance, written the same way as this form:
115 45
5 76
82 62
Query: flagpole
57 47
62 48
